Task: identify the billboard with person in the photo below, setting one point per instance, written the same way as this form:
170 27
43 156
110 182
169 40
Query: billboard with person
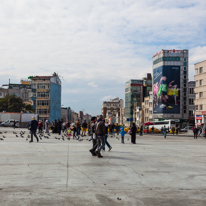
166 90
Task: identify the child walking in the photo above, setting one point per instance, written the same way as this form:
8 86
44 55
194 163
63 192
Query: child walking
69 133
122 133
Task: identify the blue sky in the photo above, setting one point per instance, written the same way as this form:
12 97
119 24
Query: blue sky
96 46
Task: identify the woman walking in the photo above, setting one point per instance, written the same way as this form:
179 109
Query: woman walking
165 131
47 126
133 130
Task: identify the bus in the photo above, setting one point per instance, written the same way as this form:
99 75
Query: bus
169 123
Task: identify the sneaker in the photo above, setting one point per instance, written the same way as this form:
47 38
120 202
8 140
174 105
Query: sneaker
169 107
110 149
99 156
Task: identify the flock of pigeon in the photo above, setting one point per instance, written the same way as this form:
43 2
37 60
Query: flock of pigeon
41 136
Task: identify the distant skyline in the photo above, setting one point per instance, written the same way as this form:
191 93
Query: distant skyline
96 46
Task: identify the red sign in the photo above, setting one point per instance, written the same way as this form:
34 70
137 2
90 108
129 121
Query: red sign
203 112
174 51
198 118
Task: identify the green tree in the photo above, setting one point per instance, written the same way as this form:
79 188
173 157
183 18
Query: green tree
12 103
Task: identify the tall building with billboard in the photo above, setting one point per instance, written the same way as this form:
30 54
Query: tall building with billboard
170 85
135 91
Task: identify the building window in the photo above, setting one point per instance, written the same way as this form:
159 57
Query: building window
184 103
42 102
184 94
196 107
185 63
196 71
185 98
201 82
185 81
185 90
196 95
42 94
185 107
201 94
196 83
185 68
191 101
185 85
201 107
185 77
185 111
185 59
201 70
191 90
185 72
33 86
191 113
42 111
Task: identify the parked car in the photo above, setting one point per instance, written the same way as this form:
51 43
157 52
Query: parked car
185 129
9 123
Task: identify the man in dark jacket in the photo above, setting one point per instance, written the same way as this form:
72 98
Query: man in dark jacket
34 125
84 126
195 131
100 132
94 139
59 126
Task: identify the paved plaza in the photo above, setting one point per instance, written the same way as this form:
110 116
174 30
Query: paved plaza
155 171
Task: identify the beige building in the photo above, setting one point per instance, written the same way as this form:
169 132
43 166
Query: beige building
111 110
200 93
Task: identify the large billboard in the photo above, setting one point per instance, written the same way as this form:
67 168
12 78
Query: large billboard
166 90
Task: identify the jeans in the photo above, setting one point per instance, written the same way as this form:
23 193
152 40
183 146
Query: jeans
107 143
78 130
122 138
33 132
100 143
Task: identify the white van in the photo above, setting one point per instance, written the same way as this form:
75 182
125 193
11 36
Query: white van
9 123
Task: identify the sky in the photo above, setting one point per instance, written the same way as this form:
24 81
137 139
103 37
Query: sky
96 46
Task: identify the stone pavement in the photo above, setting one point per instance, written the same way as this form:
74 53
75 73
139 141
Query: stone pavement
155 171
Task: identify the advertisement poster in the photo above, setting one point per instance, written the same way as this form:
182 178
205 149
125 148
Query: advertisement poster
166 90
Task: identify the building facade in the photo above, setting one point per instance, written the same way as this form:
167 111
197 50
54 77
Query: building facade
111 110
22 90
135 91
191 94
200 93
170 85
46 97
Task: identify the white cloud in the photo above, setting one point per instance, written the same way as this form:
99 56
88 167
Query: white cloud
92 84
96 41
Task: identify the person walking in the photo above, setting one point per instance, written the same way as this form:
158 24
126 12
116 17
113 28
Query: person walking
110 129
100 132
200 131
133 130
141 130
89 128
33 125
84 126
78 125
122 133
59 127
55 126
14 124
152 132
173 130
165 132
177 130
117 129
195 131
106 136
74 131
40 125
47 126
93 135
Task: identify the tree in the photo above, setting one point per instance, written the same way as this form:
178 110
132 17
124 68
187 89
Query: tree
12 103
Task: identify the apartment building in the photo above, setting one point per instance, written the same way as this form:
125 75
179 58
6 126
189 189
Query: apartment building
200 93
46 97
191 94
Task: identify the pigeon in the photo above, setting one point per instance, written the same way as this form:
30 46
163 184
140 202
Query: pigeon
17 136
1 139
5 132
63 139
26 139
4 137
55 137
40 138
0 132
